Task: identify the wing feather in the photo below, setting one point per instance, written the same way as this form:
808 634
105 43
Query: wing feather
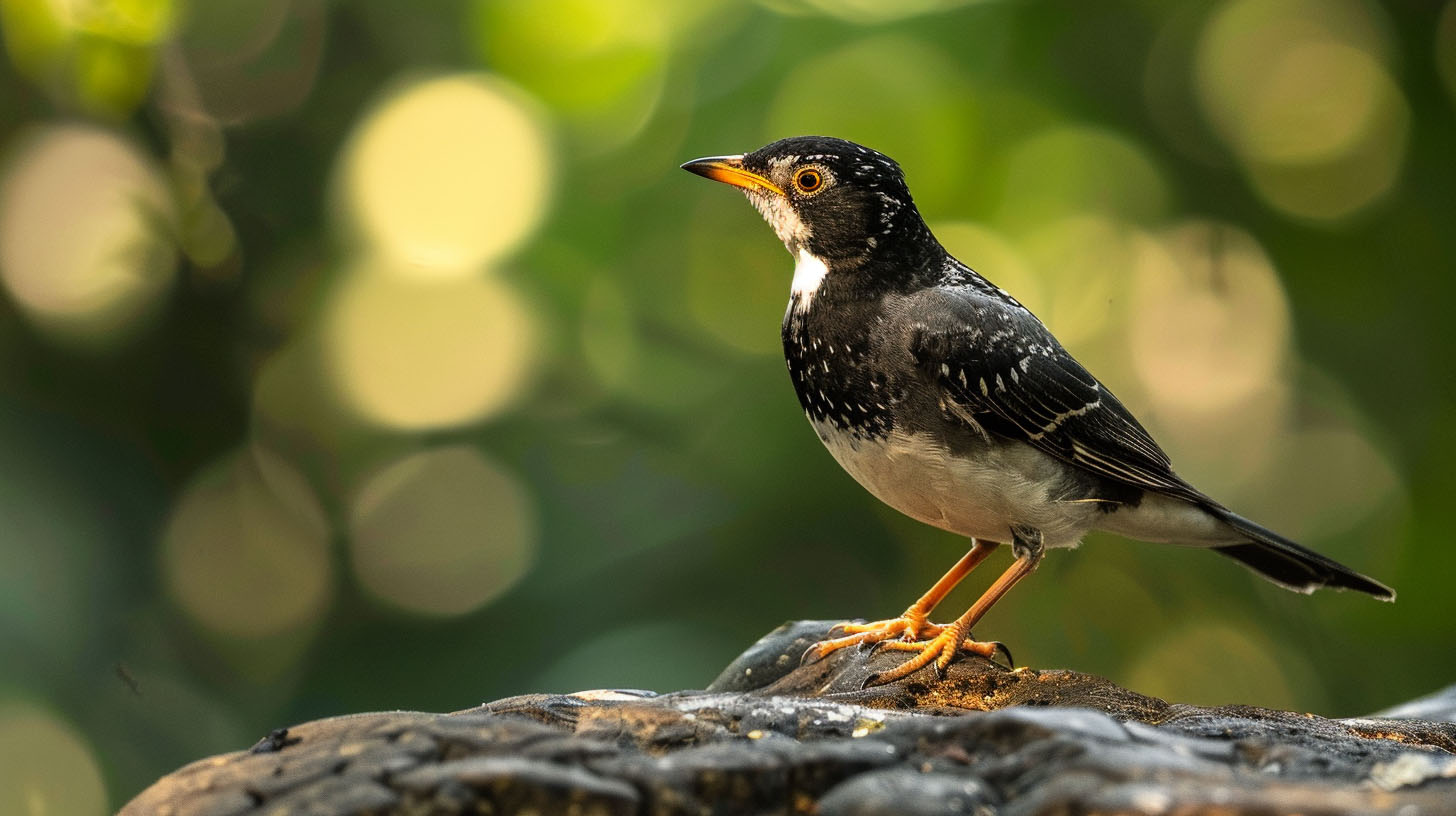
1052 402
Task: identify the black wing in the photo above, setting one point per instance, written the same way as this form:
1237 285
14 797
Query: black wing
997 363
994 360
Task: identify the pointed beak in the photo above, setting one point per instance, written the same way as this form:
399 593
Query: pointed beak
730 170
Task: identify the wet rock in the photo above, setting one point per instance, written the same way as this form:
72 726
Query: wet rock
773 736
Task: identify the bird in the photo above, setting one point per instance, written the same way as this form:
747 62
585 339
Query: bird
948 400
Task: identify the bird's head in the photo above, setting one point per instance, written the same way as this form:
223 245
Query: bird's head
840 202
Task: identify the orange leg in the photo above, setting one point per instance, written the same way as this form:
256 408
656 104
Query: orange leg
951 639
912 624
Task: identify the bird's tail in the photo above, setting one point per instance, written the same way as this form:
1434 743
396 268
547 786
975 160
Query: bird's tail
1288 564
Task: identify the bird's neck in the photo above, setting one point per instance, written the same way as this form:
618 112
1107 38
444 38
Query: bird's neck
832 281
810 272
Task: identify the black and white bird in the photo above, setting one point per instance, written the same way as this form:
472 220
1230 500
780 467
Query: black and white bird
951 402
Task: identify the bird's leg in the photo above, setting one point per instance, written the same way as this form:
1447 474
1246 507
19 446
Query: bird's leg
912 624
942 649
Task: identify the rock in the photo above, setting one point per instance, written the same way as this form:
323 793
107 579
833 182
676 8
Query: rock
773 736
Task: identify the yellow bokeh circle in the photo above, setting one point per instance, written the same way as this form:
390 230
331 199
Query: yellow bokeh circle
1446 47
600 65
246 551
1300 90
442 532
446 174
85 245
420 354
1211 322
45 765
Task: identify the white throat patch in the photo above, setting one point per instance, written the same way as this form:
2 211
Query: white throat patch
809 273
780 215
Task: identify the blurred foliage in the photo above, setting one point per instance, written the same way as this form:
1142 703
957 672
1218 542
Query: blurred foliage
370 355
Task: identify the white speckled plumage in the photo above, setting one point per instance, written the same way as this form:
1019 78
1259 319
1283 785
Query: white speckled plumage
947 399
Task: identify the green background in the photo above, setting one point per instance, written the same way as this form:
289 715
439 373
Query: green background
372 355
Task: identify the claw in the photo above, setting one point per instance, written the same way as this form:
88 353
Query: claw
810 655
1003 649
867 636
870 680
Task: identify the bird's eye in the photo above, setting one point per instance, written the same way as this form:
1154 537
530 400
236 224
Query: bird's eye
808 181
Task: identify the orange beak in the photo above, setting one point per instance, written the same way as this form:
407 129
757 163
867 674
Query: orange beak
729 170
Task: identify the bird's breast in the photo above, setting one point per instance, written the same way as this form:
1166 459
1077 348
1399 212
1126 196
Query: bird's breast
880 418
839 374
972 487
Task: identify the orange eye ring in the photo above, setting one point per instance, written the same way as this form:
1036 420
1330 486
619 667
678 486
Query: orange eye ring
809 180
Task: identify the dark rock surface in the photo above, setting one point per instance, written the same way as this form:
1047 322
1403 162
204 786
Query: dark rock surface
771 736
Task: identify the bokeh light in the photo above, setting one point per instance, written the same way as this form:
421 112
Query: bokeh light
46 767
1065 171
417 354
1300 91
1446 47
446 174
996 258
98 56
864 11
905 99
442 532
1208 336
1189 664
1210 322
246 551
1083 263
1336 479
239 62
85 224
601 64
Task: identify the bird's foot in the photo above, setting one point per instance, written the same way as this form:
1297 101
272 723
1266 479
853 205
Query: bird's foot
909 627
940 650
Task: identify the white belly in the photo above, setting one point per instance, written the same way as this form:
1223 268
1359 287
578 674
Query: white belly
981 498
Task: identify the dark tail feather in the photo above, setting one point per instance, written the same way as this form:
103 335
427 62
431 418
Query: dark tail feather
1298 568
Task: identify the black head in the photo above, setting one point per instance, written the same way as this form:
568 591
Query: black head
843 203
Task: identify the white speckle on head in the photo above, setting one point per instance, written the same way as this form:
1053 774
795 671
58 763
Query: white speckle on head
809 273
